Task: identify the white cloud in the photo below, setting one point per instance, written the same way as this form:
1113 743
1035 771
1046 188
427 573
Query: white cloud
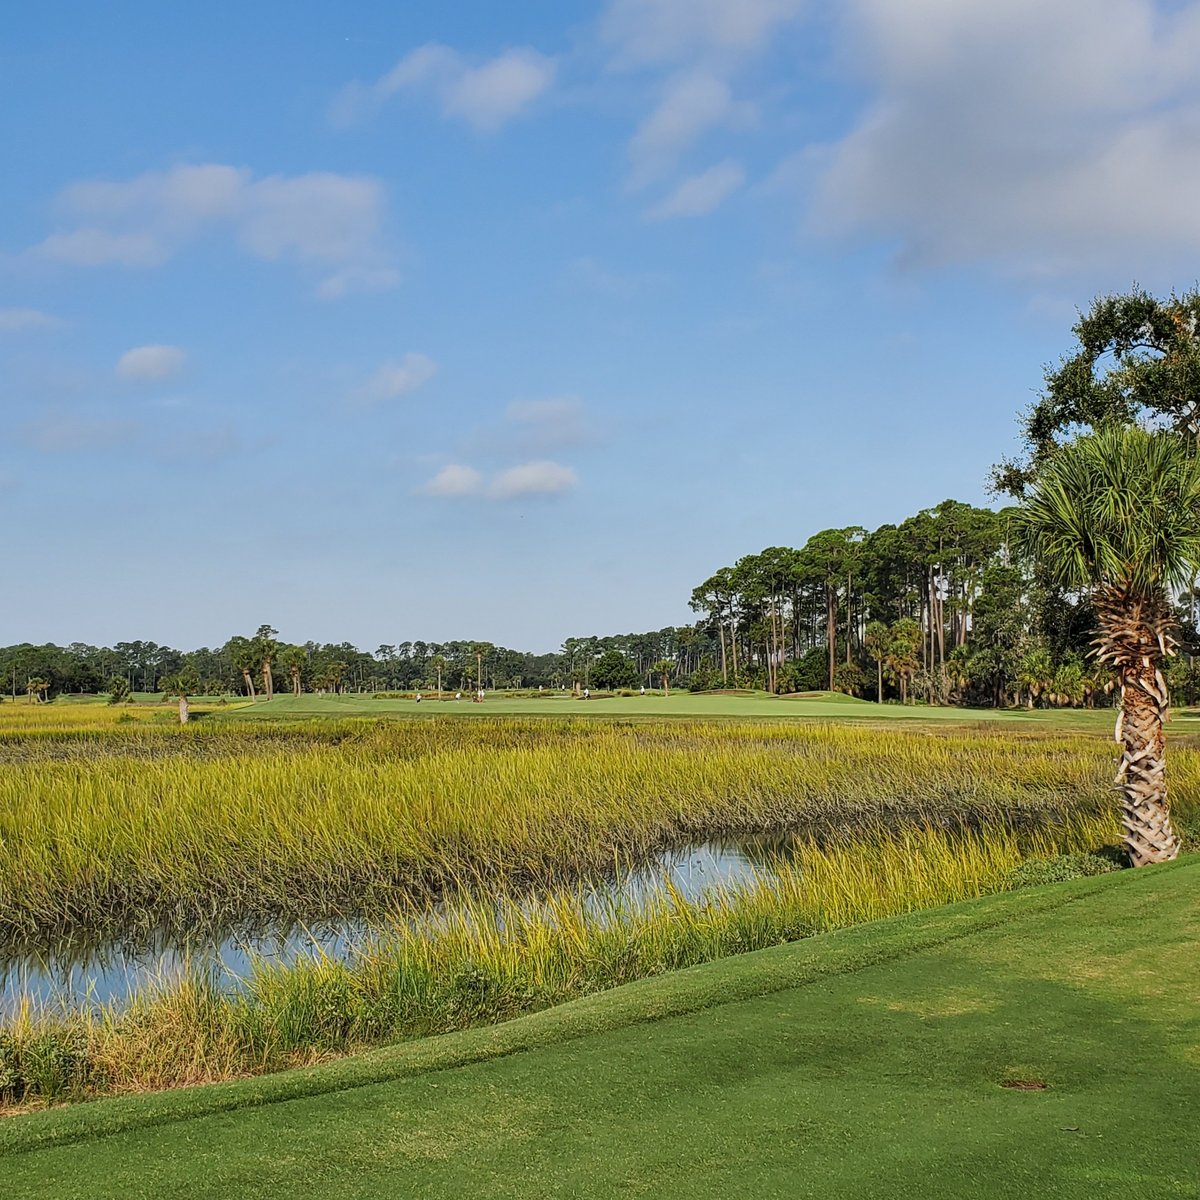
700 194
1045 138
454 480
690 106
321 219
149 364
20 320
486 96
532 479
654 31
396 379
538 478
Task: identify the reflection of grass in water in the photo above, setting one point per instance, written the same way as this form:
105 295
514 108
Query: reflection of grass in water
482 959
221 822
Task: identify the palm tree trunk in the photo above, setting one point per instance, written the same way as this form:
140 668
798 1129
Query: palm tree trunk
1136 638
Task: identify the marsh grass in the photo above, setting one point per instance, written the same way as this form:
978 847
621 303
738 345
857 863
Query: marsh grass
476 836
109 828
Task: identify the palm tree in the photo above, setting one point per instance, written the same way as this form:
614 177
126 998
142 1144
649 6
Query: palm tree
245 658
1116 514
1035 674
901 664
293 659
877 638
438 663
479 649
266 647
181 685
663 667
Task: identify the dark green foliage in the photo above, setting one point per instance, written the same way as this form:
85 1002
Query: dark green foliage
1137 358
1065 866
613 670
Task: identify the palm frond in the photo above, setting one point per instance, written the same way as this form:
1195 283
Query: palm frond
1119 506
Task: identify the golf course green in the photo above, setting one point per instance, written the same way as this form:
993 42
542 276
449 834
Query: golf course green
1041 1043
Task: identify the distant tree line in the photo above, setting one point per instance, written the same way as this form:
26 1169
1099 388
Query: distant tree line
945 607
941 608
261 665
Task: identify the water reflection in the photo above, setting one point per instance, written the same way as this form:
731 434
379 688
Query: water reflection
81 975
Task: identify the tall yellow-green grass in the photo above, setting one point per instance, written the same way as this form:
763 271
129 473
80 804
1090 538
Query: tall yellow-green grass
104 824
102 829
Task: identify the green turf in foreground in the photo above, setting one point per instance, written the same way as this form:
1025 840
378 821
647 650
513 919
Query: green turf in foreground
865 1063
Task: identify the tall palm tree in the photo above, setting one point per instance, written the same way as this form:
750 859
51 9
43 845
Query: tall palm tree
294 659
876 637
663 668
1117 514
266 648
245 658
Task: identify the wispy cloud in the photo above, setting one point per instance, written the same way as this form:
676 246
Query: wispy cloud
700 194
486 95
395 379
22 320
690 105
322 220
547 424
596 276
67 434
149 364
656 31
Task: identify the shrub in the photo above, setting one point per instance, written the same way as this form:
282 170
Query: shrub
1063 867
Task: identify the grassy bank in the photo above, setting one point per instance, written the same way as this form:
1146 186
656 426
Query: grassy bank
869 1062
103 827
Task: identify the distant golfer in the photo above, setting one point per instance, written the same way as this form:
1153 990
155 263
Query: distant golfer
418 697
587 695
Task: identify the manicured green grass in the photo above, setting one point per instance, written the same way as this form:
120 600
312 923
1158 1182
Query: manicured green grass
823 706
864 1063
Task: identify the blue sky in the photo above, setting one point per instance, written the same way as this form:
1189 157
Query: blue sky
384 321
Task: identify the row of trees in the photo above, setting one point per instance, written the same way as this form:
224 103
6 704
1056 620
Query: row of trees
261 664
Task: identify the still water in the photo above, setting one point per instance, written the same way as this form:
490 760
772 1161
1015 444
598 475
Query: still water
79 975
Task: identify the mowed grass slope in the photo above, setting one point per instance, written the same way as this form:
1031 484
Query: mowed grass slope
864 1063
